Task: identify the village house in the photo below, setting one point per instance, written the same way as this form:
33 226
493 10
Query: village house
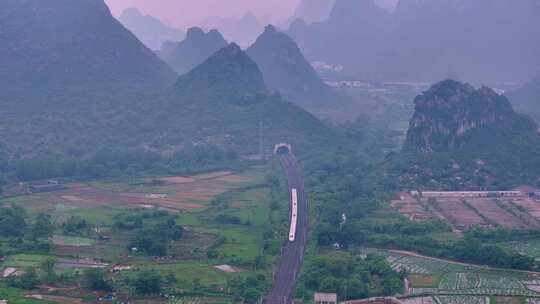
325 298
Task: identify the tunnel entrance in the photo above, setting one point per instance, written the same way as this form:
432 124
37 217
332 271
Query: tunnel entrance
282 149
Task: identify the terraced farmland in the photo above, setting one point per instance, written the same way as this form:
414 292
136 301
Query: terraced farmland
460 300
459 281
472 283
463 213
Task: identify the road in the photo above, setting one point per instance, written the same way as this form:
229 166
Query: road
285 276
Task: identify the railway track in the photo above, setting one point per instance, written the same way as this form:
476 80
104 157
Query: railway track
284 278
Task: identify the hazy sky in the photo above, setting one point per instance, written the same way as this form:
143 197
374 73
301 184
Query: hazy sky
184 13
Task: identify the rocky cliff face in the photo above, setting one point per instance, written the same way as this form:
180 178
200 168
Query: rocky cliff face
465 138
456 116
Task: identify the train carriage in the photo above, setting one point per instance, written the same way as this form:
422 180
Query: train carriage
294 215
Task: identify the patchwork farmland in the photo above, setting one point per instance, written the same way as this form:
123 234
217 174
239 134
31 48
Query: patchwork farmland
521 212
441 281
175 193
224 215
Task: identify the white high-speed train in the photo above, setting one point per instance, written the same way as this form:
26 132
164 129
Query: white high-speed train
294 215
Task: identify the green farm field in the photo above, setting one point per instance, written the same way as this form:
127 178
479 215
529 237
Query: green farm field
228 221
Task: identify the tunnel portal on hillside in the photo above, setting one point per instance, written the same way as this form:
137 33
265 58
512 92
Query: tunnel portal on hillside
282 149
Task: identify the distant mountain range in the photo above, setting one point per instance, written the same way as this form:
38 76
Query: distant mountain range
286 70
465 138
70 72
64 47
224 101
194 50
526 100
349 37
313 10
242 31
283 65
151 31
75 82
480 40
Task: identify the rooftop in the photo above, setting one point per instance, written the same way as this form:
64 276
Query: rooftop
325 297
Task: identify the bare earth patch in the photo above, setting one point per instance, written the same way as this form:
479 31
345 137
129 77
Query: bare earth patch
489 209
457 213
534 287
463 213
9 271
212 175
508 300
418 280
64 263
178 179
411 208
60 240
55 299
419 300
227 268
179 193
233 178
237 205
88 196
72 198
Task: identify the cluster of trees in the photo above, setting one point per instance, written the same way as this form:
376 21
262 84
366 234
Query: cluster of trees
154 231
250 289
231 219
32 277
352 276
476 247
348 190
24 233
503 168
118 162
146 282
355 232
95 279
76 226
501 234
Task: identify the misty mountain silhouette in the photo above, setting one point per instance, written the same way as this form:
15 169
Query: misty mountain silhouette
196 48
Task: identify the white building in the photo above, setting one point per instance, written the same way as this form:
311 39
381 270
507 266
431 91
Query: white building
325 298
